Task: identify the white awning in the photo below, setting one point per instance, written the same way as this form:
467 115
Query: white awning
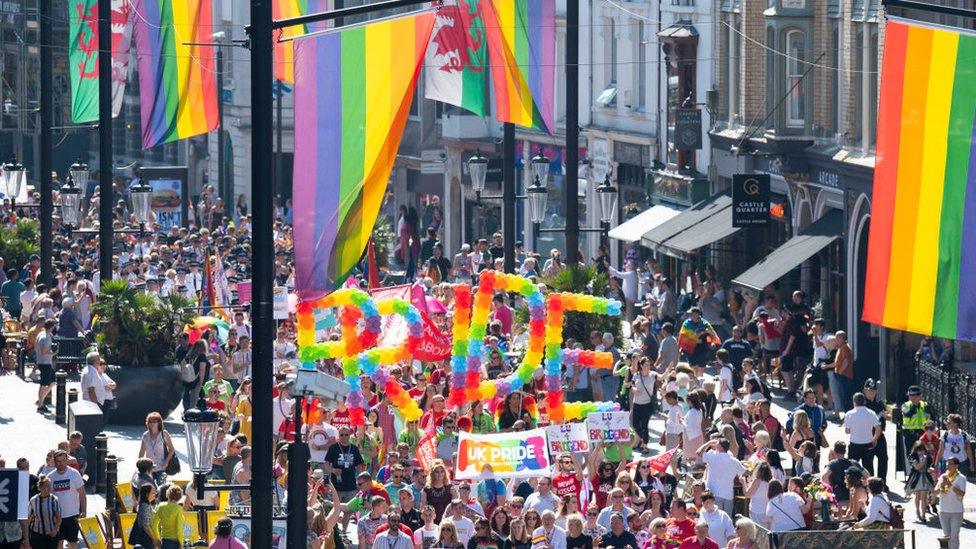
633 229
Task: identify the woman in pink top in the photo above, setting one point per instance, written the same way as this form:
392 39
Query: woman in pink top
224 538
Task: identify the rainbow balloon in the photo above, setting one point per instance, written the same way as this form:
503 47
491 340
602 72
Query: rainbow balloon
357 351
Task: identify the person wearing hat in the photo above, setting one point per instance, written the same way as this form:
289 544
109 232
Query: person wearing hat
877 404
914 414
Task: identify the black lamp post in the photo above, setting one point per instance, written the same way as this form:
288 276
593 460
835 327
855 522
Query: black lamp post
71 203
608 206
140 195
14 178
81 174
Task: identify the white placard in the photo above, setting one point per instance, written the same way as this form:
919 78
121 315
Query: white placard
608 426
568 437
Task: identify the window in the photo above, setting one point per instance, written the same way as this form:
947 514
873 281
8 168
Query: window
835 76
796 49
641 66
613 51
732 70
866 80
688 3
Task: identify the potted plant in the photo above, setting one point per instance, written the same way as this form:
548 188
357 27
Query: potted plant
139 333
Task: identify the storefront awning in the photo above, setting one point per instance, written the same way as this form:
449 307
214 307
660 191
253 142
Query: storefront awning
793 252
633 229
698 226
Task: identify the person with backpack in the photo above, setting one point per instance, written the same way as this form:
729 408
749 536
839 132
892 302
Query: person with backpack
955 443
773 426
880 514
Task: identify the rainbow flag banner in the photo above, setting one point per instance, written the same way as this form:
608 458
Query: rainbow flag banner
177 82
353 90
284 52
522 50
921 271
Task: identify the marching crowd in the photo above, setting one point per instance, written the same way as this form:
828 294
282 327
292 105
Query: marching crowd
703 358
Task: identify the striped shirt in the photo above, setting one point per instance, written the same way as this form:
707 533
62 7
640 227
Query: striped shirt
43 512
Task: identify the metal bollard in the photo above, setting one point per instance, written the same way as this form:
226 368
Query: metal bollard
111 502
101 453
60 405
111 479
72 396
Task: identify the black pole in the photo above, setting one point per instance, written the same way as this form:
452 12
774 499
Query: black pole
508 192
925 6
61 396
571 183
225 190
297 483
46 146
263 277
104 139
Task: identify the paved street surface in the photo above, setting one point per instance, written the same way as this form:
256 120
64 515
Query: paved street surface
23 433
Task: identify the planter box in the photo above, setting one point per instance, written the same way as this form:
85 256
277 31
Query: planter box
140 391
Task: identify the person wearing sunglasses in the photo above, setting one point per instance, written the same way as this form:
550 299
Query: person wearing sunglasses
617 507
395 536
680 525
569 480
606 474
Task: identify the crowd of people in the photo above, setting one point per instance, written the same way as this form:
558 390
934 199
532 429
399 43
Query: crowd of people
704 360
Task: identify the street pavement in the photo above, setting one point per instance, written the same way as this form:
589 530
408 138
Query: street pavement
24 433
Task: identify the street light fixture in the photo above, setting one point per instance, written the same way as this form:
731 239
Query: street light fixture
540 169
141 197
81 174
71 203
14 178
201 440
608 200
538 197
478 170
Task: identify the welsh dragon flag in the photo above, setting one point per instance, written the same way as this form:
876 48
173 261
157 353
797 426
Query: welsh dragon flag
83 56
456 59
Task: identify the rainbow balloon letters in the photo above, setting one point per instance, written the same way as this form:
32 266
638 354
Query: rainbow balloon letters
358 354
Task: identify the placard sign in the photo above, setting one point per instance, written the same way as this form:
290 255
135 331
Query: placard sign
608 426
568 437
280 303
750 200
502 455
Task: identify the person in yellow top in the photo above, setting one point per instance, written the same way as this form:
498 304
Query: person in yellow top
168 523
243 408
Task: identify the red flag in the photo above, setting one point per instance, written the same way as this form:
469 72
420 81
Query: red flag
374 274
661 462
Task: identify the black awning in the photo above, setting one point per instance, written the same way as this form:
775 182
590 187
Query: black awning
699 225
793 252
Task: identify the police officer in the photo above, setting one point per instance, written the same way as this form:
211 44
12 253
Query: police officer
914 413
878 406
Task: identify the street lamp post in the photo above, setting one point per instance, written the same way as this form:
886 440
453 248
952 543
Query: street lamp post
81 174
141 196
608 206
478 170
14 177
201 425
71 204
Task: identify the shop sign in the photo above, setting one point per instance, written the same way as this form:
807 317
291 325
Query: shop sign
601 158
750 200
432 162
687 129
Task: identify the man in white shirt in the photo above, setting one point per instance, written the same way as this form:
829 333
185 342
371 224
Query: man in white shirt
92 383
864 428
542 499
240 327
462 524
69 487
27 300
720 526
393 538
553 537
722 469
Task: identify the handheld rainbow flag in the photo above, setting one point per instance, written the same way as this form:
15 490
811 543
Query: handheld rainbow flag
522 49
921 268
177 82
354 88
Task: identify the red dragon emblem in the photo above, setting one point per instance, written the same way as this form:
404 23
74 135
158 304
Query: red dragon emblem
459 36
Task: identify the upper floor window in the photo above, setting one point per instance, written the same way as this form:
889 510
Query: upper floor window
641 66
796 50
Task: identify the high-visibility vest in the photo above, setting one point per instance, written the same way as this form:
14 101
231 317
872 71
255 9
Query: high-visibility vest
917 421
